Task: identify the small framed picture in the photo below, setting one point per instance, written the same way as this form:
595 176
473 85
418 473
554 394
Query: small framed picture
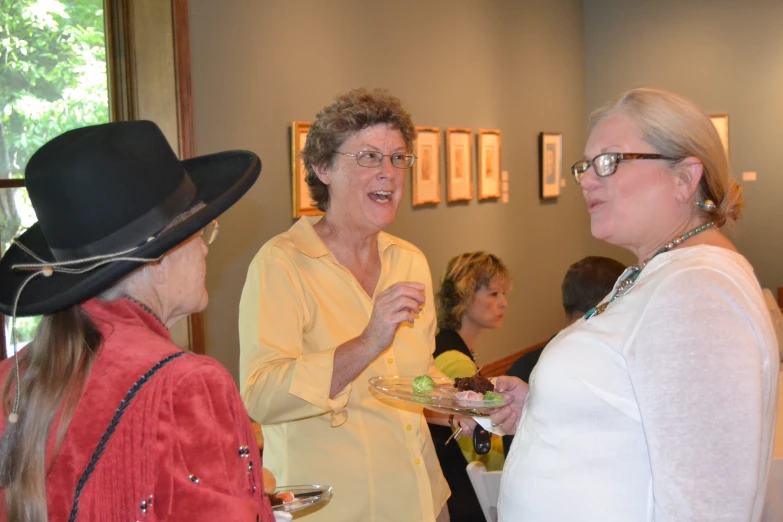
426 169
551 160
459 182
721 123
488 164
302 204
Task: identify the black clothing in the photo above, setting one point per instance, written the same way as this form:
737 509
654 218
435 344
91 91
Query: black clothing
463 504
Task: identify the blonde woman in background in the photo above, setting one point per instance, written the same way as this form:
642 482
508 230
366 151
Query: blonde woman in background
471 299
659 405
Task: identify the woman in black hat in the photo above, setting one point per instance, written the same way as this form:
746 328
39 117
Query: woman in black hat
106 418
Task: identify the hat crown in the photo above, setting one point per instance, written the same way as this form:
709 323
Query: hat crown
105 188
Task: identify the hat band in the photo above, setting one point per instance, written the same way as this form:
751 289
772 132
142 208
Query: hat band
137 231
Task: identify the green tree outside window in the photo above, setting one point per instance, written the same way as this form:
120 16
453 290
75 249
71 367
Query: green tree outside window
52 79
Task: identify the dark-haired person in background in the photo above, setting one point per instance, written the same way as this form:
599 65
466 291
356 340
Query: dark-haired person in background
586 282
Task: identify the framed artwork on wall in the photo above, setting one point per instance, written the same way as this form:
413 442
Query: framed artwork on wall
459 182
551 164
721 123
302 204
426 169
488 163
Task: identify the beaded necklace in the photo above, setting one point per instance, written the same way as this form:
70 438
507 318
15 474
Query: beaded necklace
627 284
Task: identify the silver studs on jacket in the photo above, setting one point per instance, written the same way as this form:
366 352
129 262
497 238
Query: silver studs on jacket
193 479
146 504
244 452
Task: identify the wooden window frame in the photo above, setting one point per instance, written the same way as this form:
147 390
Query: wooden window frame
123 87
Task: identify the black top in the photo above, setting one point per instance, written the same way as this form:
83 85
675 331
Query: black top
523 366
447 340
463 504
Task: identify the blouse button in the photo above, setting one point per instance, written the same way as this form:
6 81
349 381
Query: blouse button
409 427
417 462
390 360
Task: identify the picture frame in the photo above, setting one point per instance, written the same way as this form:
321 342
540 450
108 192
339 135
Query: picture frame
721 124
301 203
488 145
459 175
426 168
550 163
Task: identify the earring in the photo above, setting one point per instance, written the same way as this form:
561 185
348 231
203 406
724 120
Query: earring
707 205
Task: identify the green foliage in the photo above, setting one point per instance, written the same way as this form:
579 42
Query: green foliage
52 79
52 72
25 329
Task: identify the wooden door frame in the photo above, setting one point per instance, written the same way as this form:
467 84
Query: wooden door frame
187 143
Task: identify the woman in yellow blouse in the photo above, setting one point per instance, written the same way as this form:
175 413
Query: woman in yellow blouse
333 302
472 298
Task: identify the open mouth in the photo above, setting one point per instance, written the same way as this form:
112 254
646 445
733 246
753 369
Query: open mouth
381 196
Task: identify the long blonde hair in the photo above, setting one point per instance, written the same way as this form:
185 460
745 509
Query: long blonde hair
55 367
675 126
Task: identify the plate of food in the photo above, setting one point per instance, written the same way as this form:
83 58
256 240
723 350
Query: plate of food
295 498
468 396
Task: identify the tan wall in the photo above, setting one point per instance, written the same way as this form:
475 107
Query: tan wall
513 65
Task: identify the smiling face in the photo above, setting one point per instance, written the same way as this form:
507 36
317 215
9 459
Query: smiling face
488 307
636 207
366 197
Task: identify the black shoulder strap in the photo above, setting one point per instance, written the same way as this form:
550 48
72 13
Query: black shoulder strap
96 455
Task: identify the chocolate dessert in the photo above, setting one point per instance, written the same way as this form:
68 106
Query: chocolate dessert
477 383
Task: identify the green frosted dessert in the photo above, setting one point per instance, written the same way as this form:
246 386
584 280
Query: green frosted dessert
423 385
491 396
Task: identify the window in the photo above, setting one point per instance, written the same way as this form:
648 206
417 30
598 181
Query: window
52 79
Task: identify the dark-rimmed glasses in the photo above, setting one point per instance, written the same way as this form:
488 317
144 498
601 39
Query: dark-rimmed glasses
606 164
372 158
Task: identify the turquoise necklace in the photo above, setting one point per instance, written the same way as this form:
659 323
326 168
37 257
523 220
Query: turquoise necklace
626 284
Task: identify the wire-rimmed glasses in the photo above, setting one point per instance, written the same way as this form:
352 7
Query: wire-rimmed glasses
606 164
210 232
373 158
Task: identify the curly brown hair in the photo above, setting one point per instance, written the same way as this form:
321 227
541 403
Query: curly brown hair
465 275
350 113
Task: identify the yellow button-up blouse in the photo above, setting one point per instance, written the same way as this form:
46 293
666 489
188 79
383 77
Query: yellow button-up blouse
298 305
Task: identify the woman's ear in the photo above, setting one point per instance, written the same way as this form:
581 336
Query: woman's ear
322 173
689 173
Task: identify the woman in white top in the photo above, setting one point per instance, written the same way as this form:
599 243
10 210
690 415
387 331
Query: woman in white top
659 405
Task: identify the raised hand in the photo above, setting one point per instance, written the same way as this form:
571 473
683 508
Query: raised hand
397 304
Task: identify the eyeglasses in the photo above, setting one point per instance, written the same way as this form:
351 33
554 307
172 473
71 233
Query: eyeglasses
606 164
371 158
210 232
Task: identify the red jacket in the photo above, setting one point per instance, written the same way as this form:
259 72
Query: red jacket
177 447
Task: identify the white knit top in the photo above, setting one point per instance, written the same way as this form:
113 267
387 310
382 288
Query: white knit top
660 409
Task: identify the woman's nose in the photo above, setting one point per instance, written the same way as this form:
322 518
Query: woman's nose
589 179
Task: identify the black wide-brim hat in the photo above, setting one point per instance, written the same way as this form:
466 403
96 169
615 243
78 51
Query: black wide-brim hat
111 188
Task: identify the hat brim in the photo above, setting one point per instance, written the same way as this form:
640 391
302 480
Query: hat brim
220 180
